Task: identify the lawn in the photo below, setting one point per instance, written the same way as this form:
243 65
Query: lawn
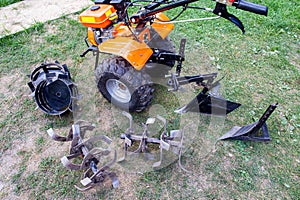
260 67
8 2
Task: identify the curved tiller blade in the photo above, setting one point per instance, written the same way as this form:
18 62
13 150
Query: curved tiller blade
209 104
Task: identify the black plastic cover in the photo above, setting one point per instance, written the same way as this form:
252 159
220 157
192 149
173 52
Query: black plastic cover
251 7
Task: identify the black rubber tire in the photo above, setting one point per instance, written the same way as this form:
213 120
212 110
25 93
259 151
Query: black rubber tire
138 82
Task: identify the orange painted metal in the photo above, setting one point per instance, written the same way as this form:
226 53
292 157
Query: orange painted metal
121 30
145 35
136 53
162 29
97 18
91 37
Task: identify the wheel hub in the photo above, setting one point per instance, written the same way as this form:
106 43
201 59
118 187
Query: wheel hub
118 90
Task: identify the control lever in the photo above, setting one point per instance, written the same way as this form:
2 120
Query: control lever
221 10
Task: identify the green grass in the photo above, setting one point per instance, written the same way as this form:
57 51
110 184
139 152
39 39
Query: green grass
260 67
51 176
8 2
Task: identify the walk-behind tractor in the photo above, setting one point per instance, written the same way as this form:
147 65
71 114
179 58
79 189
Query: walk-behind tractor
140 51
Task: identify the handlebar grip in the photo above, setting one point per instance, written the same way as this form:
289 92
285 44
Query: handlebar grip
251 7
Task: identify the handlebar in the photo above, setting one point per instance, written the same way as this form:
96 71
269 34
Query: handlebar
239 4
251 7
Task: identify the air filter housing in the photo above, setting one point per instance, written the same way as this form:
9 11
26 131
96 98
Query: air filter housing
52 88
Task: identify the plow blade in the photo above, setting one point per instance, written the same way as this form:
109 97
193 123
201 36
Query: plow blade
250 132
208 104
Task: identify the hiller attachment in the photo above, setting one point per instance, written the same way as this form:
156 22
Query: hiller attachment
166 141
206 102
249 132
52 88
93 175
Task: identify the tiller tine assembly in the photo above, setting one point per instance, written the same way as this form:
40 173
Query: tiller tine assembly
84 126
89 154
52 88
129 138
165 142
128 132
206 103
94 176
168 140
59 138
250 131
